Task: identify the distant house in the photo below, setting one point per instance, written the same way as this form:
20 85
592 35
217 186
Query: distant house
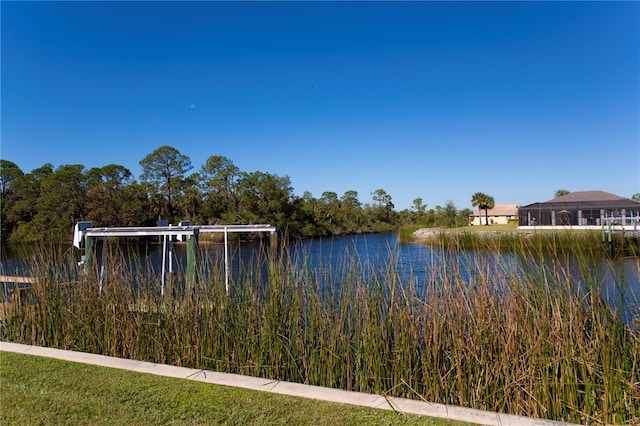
500 214
580 208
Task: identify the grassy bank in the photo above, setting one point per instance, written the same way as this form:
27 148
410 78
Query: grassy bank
406 232
509 238
534 339
46 391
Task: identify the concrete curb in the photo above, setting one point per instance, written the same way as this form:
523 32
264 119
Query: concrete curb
401 405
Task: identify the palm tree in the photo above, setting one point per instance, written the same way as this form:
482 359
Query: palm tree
561 192
484 202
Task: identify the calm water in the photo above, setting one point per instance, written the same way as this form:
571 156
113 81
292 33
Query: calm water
414 264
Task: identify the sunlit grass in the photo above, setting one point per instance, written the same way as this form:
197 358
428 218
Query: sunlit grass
508 237
38 390
512 226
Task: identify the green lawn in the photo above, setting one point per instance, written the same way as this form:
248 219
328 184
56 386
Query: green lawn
511 227
36 390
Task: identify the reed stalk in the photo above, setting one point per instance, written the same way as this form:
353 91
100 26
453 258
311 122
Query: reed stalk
532 333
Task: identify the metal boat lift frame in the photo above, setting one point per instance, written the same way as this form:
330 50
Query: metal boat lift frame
85 234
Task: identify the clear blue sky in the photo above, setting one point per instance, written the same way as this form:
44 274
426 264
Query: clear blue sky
435 100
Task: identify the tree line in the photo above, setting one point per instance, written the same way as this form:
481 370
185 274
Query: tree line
44 204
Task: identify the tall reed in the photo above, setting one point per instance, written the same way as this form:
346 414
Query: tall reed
533 337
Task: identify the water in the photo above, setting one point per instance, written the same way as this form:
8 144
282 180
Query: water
380 255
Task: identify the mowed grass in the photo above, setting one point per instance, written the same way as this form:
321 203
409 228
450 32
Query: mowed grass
511 227
37 390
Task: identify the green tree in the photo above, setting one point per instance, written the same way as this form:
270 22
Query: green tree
450 214
329 197
561 192
636 196
138 208
447 216
220 181
352 214
9 173
418 206
265 198
383 207
381 198
109 200
463 216
418 211
309 213
60 203
164 169
350 198
22 211
330 211
189 202
484 202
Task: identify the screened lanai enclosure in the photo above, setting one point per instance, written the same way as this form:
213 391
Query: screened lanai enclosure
581 208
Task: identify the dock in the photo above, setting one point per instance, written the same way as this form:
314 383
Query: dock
14 289
16 279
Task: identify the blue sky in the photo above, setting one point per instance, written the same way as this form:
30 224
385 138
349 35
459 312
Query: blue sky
436 100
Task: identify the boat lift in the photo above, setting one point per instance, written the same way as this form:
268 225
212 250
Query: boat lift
84 236
627 226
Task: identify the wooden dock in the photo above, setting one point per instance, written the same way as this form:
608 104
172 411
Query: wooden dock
13 293
16 279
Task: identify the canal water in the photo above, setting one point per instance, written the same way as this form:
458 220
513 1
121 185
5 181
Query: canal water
375 254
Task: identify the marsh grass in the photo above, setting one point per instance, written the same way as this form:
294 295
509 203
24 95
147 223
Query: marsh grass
533 338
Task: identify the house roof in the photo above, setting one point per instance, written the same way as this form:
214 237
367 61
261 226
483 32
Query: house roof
499 210
579 196
588 200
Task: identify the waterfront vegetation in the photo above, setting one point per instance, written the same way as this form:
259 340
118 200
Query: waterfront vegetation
44 204
39 390
509 238
536 338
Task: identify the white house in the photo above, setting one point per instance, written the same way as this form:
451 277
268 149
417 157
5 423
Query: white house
500 214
